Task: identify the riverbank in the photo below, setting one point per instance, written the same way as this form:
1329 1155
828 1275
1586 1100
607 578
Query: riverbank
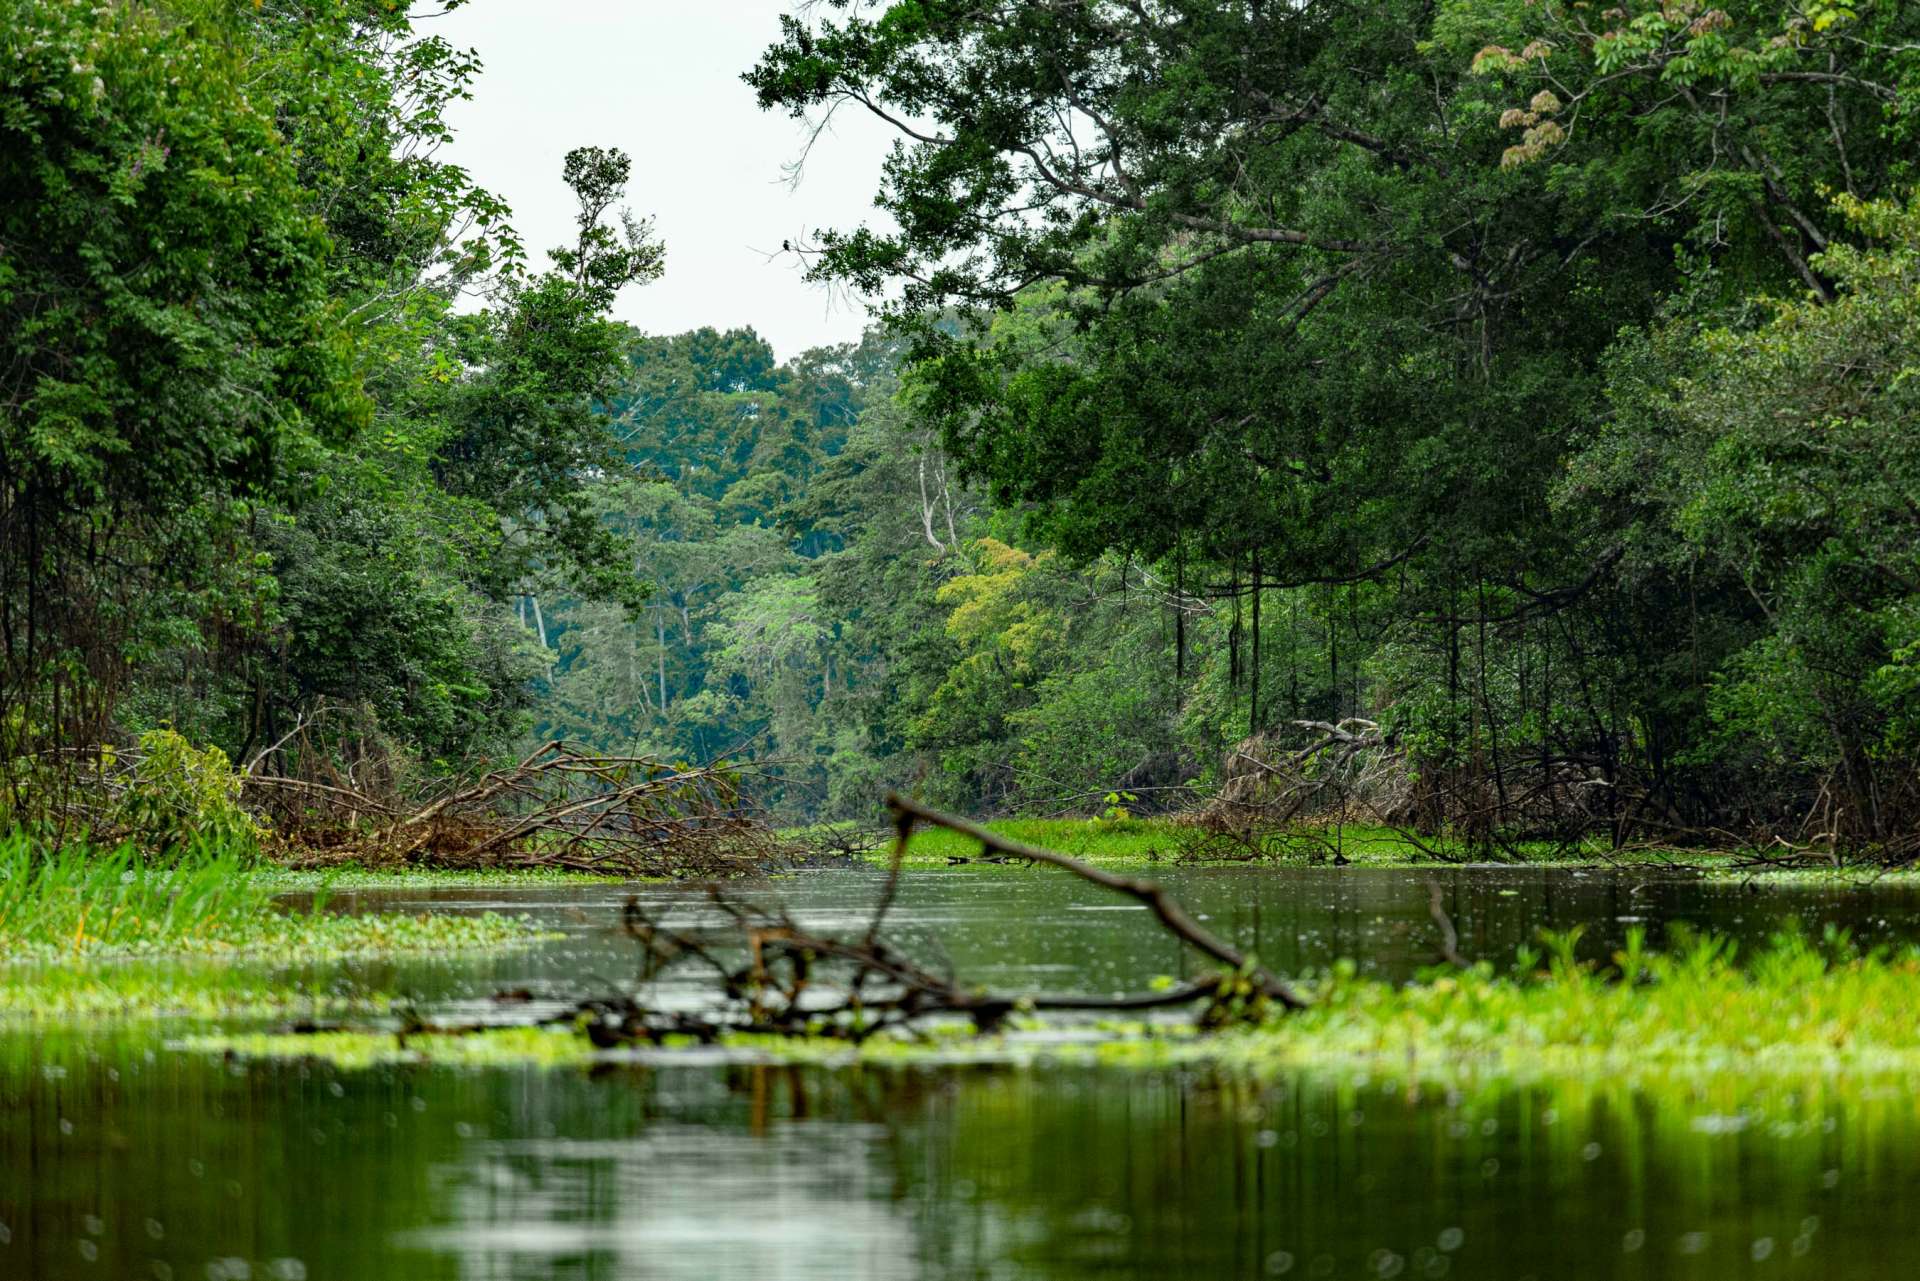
81 904
1146 841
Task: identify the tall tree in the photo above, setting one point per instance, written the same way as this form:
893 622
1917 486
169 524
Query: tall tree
170 336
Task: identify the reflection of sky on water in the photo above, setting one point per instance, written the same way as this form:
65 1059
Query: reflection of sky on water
676 1201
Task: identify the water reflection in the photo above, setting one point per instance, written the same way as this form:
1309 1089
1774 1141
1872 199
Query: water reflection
1039 930
120 1165
120 1158
676 1200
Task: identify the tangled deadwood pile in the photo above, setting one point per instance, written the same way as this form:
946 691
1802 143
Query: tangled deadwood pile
1347 767
1285 791
561 807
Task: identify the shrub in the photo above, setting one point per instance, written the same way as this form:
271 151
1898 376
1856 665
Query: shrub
178 798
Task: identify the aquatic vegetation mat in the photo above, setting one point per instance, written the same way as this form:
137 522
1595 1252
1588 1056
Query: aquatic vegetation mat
1797 1009
151 990
352 877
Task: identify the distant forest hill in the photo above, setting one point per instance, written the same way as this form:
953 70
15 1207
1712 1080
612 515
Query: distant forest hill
826 598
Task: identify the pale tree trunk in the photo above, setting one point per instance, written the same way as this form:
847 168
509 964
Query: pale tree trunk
660 635
634 679
946 503
926 509
540 627
539 620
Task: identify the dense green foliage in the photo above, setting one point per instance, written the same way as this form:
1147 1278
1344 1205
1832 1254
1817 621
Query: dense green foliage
1531 381
828 600
262 479
1430 359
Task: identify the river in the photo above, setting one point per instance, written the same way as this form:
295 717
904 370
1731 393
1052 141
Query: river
122 1156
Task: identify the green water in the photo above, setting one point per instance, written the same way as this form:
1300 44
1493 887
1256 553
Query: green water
123 1158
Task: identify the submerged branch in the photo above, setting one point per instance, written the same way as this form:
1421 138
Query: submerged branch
1169 912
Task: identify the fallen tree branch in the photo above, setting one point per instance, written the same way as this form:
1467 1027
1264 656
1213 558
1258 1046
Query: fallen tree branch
1169 912
561 806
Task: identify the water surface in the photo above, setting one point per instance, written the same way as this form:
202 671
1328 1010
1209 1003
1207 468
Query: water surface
122 1158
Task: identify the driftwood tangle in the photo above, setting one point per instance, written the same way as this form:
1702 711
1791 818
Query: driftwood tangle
561 807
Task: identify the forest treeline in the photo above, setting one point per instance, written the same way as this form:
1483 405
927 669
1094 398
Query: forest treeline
1524 391
288 411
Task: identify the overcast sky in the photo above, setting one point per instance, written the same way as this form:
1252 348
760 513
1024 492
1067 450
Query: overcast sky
660 79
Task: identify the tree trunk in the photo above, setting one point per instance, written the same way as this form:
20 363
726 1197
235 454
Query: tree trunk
660 635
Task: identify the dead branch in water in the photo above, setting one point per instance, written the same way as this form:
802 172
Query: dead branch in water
1169 913
779 978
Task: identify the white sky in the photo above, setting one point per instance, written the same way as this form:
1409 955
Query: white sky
660 80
